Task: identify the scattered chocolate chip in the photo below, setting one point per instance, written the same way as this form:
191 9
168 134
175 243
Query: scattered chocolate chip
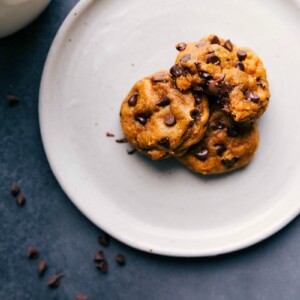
181 46
15 189
213 59
32 252
130 152
240 66
202 154
233 131
213 87
176 71
196 113
169 120
158 78
53 281
133 100
205 75
99 256
228 45
20 200
120 259
164 101
103 239
217 125
198 99
225 88
102 266
109 134
215 40
252 96
185 58
13 101
241 54
142 120
220 149
229 163
81 297
122 141
165 142
42 266
200 45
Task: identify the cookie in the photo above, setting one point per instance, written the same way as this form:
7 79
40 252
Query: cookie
159 120
226 146
234 75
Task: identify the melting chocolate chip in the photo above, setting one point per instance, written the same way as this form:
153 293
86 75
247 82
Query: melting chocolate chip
42 266
120 259
228 45
102 266
13 101
213 59
15 189
181 46
217 125
99 256
109 134
225 88
103 239
158 78
32 252
165 142
241 54
229 163
20 200
185 58
198 99
176 71
130 152
233 131
81 297
122 141
142 120
240 66
169 120
252 96
215 40
205 75
213 87
133 100
196 113
53 281
164 101
220 149
202 154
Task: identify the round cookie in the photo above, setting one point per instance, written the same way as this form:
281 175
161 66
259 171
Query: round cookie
226 146
159 120
234 75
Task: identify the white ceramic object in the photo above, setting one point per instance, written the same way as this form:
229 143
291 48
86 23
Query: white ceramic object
16 14
102 48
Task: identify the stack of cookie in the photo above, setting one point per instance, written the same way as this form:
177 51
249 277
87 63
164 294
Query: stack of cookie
203 111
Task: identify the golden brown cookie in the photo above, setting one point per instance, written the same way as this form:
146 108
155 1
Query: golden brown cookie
234 75
159 120
226 146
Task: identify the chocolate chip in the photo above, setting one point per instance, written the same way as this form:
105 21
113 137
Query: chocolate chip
164 101
32 252
229 163
202 154
176 71
220 149
198 99
200 45
252 96
13 101
165 142
215 40
122 141
158 78
213 59
53 281
196 112
103 239
261 84
233 131
120 259
169 120
228 45
205 75
102 266
42 266
217 125
213 87
99 256
142 120
241 54
240 66
21 200
81 297
109 134
130 152
198 89
181 46
133 100
185 58
225 88
15 189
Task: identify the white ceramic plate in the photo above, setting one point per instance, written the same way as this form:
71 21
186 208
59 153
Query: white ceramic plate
102 48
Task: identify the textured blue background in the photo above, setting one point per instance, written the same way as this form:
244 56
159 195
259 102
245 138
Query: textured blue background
67 240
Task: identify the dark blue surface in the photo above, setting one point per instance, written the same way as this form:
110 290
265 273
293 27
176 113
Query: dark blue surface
68 241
